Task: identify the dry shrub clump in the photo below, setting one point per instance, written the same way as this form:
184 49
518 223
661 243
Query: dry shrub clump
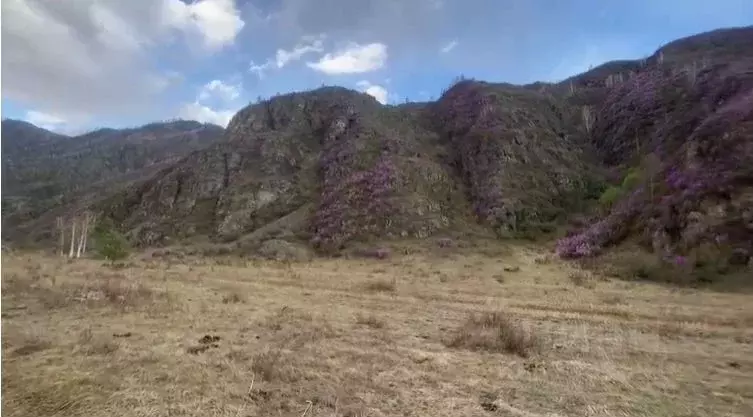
370 321
494 332
118 290
581 279
382 285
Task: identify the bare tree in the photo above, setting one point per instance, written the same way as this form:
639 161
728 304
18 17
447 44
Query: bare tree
73 237
588 117
82 234
90 219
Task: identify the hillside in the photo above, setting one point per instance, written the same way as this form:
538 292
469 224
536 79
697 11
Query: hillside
678 134
42 170
663 143
333 166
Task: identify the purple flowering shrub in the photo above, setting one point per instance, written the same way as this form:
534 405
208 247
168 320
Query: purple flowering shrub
356 195
518 169
643 113
712 163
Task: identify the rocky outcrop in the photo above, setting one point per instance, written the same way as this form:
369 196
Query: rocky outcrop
524 164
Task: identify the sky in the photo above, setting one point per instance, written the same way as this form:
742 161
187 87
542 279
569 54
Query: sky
76 65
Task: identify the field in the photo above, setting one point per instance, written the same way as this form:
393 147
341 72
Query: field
448 334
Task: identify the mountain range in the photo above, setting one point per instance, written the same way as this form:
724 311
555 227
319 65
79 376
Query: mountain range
657 150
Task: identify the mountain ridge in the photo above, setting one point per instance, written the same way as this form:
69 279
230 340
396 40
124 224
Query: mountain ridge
43 169
332 168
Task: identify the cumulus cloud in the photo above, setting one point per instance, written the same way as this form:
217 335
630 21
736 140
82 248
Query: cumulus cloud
227 92
309 45
449 46
55 123
205 114
81 58
45 120
377 91
352 59
216 102
218 21
283 57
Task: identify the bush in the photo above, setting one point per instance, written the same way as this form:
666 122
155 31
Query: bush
494 332
610 196
108 242
633 178
593 188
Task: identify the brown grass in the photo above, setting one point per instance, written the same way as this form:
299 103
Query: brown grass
370 321
494 332
381 285
196 337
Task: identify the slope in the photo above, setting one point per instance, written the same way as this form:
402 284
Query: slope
684 135
341 168
42 170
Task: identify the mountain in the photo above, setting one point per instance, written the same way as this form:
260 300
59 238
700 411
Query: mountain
41 169
678 133
658 149
335 166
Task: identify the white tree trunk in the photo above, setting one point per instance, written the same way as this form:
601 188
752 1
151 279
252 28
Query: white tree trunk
73 237
81 238
89 221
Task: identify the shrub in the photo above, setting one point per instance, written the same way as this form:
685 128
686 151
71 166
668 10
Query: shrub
593 188
610 196
108 242
633 178
382 285
494 332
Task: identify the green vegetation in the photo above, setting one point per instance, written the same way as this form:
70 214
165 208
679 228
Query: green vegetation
610 196
632 179
108 242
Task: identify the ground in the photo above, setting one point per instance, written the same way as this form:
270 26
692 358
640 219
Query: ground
506 331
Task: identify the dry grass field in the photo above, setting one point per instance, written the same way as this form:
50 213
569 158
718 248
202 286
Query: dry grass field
453 334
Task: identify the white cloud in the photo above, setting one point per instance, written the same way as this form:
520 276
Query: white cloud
218 21
307 45
259 70
377 91
204 114
353 59
45 120
87 58
55 123
216 102
449 46
220 89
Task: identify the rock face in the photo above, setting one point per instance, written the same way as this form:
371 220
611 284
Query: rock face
523 163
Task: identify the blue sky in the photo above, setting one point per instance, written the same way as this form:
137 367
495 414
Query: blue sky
74 66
